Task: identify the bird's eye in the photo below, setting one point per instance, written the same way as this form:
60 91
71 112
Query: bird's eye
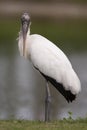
25 19
22 19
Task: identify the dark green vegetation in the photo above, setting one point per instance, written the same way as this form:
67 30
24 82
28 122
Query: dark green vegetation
80 124
69 35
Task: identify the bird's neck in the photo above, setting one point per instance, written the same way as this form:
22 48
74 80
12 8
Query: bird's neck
20 43
28 33
21 33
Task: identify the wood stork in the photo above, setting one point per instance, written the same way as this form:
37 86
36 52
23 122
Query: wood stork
50 61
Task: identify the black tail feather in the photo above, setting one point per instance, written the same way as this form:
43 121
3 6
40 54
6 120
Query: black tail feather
69 96
66 93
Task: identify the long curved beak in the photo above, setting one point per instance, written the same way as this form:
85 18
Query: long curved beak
24 32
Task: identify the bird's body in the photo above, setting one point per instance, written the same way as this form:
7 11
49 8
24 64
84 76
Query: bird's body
52 63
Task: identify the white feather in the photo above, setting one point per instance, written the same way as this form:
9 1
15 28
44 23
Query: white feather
51 61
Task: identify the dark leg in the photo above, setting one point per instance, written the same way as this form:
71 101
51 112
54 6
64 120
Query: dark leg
47 102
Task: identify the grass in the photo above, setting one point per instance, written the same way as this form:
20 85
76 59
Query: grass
80 124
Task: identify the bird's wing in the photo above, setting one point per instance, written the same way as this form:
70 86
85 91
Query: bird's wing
51 61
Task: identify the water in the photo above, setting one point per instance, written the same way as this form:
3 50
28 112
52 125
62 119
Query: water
22 90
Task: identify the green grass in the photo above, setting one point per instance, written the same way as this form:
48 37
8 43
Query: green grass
80 124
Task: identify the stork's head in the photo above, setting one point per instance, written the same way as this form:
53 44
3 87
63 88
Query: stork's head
25 21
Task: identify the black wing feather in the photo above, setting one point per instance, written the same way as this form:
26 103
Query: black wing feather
69 96
66 93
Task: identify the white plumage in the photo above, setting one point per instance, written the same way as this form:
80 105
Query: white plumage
49 60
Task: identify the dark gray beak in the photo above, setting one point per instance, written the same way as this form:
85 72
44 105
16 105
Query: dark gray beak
25 21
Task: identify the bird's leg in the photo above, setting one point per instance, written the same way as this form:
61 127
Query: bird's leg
47 102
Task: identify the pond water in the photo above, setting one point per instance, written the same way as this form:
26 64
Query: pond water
22 90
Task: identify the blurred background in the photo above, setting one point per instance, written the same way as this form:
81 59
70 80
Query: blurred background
22 88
